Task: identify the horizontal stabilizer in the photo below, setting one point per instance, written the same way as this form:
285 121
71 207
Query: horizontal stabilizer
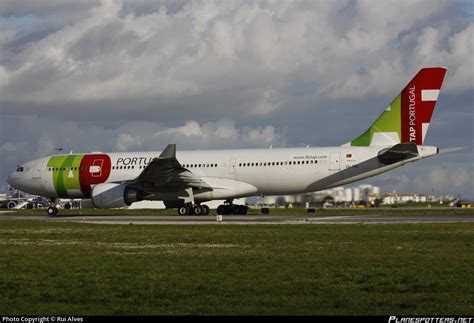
398 153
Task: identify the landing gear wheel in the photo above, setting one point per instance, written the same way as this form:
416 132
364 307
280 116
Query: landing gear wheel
52 210
184 210
236 209
206 210
220 210
243 209
198 210
224 210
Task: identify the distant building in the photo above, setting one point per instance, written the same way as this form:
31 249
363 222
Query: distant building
341 194
394 198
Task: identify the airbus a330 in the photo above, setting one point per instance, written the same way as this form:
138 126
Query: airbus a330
187 179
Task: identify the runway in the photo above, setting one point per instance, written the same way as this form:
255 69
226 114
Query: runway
233 219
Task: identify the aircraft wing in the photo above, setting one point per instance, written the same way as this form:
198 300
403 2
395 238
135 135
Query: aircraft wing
165 174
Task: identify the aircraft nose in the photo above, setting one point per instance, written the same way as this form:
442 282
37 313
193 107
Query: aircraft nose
11 180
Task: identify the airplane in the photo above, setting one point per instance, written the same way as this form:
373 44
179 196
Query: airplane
187 179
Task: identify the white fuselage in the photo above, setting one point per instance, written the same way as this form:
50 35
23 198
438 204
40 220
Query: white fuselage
236 173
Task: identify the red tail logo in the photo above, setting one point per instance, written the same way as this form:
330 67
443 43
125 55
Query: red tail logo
418 102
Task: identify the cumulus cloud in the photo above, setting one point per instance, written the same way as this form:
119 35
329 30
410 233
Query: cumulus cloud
133 136
126 141
114 50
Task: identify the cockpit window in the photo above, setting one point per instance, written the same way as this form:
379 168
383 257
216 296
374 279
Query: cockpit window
19 169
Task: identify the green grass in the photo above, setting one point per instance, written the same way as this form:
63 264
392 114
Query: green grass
273 211
74 268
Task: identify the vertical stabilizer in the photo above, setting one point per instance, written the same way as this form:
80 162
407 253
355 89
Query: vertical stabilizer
408 116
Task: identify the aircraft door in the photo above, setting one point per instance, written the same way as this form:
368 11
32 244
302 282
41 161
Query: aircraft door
232 164
335 161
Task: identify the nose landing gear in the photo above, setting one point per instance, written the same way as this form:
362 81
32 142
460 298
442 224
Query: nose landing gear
52 209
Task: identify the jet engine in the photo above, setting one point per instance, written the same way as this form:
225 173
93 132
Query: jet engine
113 195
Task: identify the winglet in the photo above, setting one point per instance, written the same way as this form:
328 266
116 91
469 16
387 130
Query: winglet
169 152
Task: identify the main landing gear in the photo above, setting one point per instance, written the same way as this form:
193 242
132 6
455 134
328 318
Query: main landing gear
228 208
190 209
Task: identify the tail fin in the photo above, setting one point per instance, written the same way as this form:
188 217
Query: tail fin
408 116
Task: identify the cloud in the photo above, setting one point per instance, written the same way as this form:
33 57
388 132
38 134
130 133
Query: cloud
442 174
132 136
435 179
112 51
126 141
128 75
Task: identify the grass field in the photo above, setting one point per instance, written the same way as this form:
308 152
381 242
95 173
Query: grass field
74 268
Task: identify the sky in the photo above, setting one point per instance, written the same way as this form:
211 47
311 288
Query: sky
138 75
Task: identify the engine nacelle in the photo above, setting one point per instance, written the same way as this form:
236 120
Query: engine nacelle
113 195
